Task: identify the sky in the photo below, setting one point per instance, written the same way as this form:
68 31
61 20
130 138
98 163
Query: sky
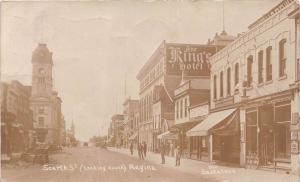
99 45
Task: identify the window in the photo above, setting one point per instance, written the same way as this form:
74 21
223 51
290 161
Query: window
185 107
221 84
282 58
41 121
41 110
249 70
260 66
215 86
236 73
181 108
268 64
177 109
228 81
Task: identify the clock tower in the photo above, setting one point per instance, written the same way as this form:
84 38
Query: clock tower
41 93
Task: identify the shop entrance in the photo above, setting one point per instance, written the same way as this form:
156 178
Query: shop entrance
266 135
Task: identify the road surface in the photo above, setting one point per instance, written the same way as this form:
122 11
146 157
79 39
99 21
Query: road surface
90 164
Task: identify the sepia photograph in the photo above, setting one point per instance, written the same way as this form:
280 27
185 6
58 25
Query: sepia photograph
150 90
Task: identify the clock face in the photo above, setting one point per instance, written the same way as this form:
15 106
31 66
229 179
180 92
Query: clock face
42 71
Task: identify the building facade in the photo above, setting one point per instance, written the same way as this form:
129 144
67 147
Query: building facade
17 133
44 102
254 87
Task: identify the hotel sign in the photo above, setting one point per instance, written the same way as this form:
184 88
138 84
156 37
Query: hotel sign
188 58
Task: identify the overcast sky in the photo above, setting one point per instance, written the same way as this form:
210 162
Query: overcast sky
98 45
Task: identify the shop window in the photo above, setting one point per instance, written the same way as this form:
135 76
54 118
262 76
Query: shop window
236 73
269 63
282 58
282 113
221 84
283 141
215 87
249 70
260 66
228 81
251 132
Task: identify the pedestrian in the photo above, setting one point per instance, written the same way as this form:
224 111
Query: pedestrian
141 153
131 148
162 152
177 156
145 149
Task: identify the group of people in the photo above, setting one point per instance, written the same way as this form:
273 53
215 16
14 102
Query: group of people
163 151
142 150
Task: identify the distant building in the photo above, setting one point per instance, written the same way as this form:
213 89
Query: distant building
117 128
17 133
130 124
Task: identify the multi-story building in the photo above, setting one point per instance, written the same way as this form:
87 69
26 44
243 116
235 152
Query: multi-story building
130 127
45 103
117 128
164 70
17 120
254 101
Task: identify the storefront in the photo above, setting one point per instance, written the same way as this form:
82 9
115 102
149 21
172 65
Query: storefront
268 135
218 137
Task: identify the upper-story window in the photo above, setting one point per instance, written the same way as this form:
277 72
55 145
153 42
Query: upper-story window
269 63
282 58
260 66
228 81
181 108
236 73
185 107
215 87
177 109
221 84
41 110
249 70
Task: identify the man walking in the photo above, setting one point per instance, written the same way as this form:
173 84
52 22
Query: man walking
140 151
145 149
162 152
131 148
177 156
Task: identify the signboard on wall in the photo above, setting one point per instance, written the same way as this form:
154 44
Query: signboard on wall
191 59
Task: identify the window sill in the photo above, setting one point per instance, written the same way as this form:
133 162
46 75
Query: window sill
269 82
282 77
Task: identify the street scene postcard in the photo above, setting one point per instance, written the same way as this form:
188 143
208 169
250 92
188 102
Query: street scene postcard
150 91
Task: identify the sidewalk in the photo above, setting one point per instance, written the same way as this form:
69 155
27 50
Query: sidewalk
221 173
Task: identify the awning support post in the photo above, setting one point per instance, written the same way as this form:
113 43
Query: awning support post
210 141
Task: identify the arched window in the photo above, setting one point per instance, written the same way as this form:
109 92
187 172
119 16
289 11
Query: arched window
260 66
282 58
249 70
221 84
215 87
269 63
229 81
236 73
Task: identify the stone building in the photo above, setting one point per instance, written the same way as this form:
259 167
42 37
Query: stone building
17 133
45 102
254 101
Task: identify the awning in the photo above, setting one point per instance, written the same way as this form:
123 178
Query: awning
168 136
134 136
208 123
